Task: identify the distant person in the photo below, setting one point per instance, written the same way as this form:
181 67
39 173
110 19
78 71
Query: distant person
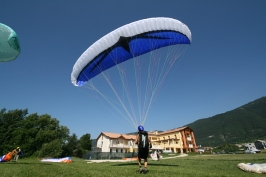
18 153
144 143
155 153
158 154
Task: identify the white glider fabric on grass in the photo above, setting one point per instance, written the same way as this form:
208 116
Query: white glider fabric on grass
253 167
126 42
64 160
9 44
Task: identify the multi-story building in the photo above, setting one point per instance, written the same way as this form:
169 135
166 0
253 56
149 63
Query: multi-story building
178 140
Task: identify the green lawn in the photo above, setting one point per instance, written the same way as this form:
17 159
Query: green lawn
192 165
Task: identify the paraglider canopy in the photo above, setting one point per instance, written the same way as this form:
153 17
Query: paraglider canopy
127 42
9 44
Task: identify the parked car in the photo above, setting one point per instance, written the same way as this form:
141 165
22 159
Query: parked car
201 150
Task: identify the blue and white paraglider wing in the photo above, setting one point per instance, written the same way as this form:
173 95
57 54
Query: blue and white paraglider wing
9 44
127 42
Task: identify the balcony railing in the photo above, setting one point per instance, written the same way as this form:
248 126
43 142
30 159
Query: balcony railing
156 147
122 146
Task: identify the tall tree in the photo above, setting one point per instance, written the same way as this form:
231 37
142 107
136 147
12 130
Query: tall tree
51 149
85 142
9 123
71 147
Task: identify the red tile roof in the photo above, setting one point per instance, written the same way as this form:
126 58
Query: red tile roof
117 135
172 130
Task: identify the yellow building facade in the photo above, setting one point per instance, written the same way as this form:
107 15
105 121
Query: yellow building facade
178 140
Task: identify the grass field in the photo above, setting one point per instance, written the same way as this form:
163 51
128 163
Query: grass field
191 166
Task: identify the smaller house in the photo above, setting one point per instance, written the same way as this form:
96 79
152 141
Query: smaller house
260 144
114 142
250 148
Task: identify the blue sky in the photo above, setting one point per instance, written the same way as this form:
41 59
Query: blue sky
224 68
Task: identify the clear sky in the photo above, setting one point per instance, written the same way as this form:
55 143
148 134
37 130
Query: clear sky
224 68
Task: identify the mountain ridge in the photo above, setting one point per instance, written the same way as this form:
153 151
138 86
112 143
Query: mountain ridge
243 124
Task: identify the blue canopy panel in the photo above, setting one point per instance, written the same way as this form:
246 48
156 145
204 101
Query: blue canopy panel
129 47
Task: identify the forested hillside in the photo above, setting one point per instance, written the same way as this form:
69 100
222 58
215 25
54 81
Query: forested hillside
244 124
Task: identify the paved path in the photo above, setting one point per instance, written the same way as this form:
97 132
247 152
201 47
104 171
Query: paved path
129 160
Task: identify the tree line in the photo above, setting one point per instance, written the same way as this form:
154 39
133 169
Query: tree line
39 135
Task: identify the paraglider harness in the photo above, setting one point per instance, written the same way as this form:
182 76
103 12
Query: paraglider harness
143 142
20 153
